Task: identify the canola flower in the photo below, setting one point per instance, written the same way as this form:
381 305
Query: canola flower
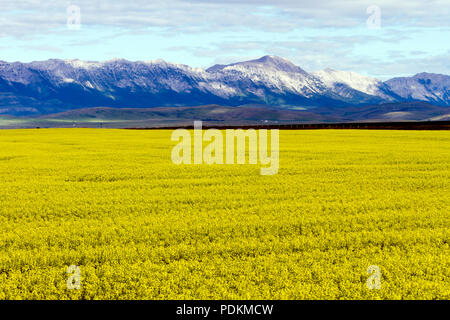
112 203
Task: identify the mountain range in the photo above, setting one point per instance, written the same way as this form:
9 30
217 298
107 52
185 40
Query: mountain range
54 86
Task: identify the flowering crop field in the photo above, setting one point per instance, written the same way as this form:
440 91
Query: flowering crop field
140 227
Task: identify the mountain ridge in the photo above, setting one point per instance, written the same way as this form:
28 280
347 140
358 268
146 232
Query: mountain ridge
56 85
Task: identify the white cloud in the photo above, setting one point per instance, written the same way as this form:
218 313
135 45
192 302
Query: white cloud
26 17
338 41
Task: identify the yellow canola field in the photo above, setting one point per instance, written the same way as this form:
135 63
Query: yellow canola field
140 227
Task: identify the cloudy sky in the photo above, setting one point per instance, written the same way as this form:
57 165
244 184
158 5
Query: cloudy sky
381 38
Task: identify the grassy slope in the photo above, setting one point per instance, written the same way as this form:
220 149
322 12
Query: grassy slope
159 117
254 114
112 202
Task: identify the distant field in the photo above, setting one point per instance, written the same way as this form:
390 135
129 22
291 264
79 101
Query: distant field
140 227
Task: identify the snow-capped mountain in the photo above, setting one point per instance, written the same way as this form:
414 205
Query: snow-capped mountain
269 72
58 85
350 85
266 62
271 80
434 88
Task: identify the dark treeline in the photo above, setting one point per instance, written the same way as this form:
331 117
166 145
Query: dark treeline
426 125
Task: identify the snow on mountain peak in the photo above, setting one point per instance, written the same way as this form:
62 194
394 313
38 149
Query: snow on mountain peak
156 61
354 80
270 72
79 64
267 80
273 63
273 60
423 86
